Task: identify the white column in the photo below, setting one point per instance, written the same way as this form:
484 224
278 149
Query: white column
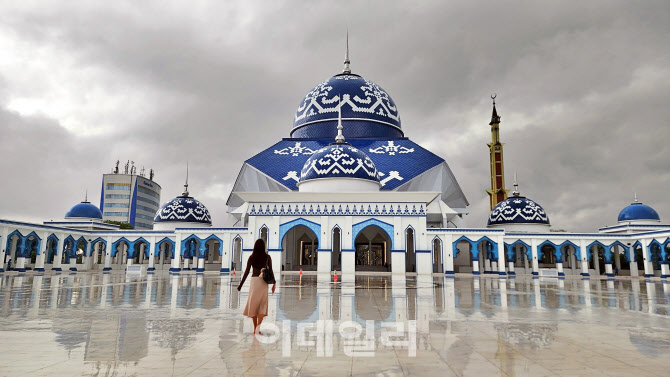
648 266
88 257
201 265
447 255
58 253
665 271
152 254
3 241
608 270
475 267
533 254
501 257
584 259
559 267
20 264
108 255
186 260
39 262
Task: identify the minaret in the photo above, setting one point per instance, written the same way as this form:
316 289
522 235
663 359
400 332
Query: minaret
497 192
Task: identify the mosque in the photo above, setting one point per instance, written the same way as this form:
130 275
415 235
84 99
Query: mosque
347 191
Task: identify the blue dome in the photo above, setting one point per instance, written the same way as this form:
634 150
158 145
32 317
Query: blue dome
183 209
367 110
339 160
84 210
518 210
638 211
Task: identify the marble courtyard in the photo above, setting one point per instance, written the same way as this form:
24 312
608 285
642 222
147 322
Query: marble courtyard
97 324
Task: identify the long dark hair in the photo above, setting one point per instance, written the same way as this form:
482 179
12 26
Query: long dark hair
258 256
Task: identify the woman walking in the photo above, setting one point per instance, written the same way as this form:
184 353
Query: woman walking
257 301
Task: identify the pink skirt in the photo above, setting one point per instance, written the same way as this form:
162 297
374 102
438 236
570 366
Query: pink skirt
257 302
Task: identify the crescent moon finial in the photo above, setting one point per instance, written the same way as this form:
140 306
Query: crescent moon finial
493 97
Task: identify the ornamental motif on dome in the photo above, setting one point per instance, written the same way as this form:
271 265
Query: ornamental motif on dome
339 161
391 149
360 98
184 210
518 210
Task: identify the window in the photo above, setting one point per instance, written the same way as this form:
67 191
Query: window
144 217
116 196
141 199
142 225
152 210
123 214
148 192
118 186
119 205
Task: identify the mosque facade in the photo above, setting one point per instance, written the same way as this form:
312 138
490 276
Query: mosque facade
347 191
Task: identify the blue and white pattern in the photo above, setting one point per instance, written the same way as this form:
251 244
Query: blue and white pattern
337 209
391 149
358 97
284 161
518 210
339 160
183 209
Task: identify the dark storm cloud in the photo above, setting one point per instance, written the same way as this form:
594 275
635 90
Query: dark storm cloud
582 91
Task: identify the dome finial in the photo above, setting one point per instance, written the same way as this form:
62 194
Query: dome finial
495 119
185 193
636 201
340 137
516 185
347 69
86 196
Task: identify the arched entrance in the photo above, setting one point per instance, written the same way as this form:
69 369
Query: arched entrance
437 255
410 252
336 253
373 249
236 263
300 245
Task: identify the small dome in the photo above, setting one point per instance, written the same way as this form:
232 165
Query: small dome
84 210
638 211
339 160
183 209
367 110
518 210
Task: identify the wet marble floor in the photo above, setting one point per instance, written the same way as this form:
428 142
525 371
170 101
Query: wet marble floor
96 324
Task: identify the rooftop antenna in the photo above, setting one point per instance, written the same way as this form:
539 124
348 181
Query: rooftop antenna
516 185
347 69
340 137
185 193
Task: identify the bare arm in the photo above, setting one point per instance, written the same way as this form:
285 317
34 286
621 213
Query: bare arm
246 273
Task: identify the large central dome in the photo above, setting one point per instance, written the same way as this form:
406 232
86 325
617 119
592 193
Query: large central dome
367 110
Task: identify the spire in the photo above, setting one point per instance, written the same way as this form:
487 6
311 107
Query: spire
185 193
495 119
636 201
516 187
340 137
347 69
86 196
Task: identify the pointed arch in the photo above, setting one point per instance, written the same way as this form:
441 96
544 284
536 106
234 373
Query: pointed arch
650 250
39 243
494 247
191 252
137 242
386 227
557 252
214 237
455 249
115 245
626 249
94 242
578 251
511 253
284 228
9 240
635 246
170 242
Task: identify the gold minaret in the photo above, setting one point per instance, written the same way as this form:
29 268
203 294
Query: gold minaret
497 192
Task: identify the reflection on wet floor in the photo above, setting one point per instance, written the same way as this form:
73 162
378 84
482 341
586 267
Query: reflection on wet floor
94 323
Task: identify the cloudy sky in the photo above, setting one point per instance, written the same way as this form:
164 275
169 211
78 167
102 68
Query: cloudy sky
583 91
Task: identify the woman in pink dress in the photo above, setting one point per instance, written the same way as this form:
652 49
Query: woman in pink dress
257 301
